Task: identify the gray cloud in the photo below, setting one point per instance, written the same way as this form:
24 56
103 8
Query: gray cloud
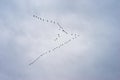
93 56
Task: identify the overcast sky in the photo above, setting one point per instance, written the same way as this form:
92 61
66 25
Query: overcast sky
94 55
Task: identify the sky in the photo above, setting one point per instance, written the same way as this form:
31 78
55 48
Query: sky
94 55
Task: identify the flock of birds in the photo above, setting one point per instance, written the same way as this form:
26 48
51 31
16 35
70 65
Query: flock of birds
73 37
51 21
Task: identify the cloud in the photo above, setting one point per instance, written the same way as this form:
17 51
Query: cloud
93 56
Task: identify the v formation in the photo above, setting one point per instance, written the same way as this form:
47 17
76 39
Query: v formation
73 37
